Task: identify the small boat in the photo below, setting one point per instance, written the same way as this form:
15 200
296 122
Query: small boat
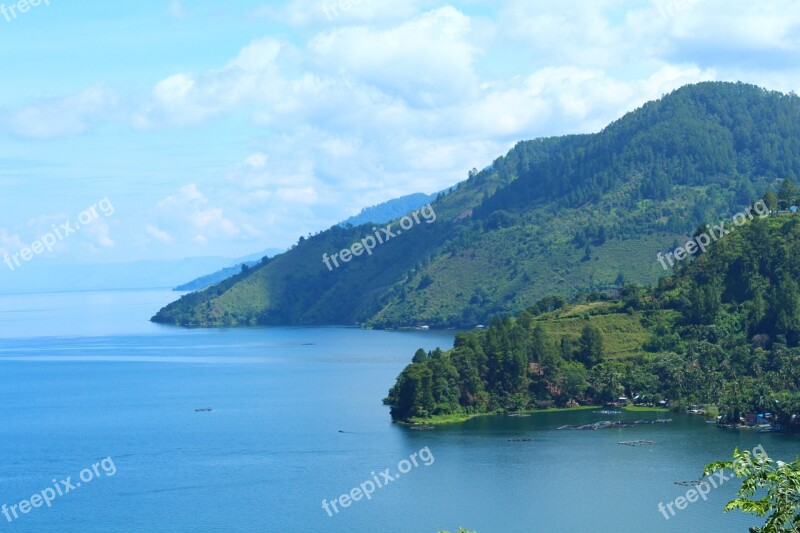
203 410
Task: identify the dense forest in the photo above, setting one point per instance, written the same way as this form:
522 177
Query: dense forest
723 330
555 216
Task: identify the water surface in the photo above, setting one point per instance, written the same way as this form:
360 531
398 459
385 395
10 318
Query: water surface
296 419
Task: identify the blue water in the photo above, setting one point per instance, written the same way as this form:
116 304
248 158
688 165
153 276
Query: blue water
296 419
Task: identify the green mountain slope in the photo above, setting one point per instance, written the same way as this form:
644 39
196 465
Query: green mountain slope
554 216
724 331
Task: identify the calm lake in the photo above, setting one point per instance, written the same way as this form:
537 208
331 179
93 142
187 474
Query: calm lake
296 419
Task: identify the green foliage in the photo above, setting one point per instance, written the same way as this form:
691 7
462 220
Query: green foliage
722 331
771 200
591 348
788 194
776 482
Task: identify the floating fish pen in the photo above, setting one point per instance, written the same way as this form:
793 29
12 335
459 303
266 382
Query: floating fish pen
608 424
694 483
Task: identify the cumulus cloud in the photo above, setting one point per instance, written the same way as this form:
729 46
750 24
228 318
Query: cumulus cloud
189 215
191 205
426 62
187 98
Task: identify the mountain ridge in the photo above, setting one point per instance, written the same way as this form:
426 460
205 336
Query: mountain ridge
557 215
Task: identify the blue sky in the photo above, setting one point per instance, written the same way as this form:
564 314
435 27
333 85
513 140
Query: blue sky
225 128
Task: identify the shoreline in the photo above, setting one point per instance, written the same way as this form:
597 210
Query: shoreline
441 420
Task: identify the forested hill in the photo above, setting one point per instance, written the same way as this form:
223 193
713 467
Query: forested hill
723 331
553 216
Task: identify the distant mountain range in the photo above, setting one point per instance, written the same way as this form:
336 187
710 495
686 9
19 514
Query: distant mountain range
555 216
222 274
45 275
391 210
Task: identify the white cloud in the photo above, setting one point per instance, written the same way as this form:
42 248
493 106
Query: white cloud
190 215
427 61
66 116
159 234
96 235
186 98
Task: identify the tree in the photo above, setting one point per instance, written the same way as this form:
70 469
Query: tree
412 395
781 482
574 380
543 349
787 195
591 346
771 200
704 303
567 346
420 356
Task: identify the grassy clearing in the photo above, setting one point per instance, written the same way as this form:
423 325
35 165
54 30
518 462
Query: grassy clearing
623 333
